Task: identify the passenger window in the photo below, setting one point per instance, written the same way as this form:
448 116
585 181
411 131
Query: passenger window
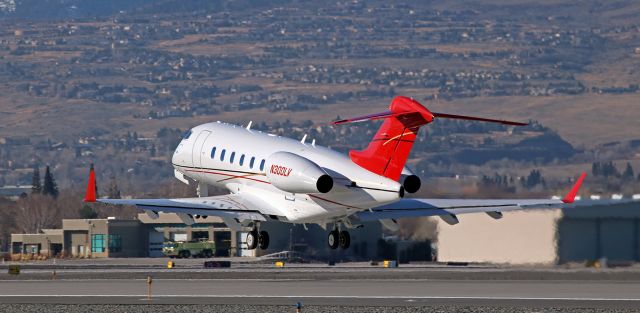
241 159
222 154
262 165
233 155
253 159
213 152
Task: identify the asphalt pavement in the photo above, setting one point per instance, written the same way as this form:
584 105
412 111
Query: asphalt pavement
120 285
564 294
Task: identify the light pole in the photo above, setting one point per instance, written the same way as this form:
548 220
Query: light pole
290 242
90 244
48 247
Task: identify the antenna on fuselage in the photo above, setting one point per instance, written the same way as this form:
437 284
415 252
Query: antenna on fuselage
313 143
304 138
249 125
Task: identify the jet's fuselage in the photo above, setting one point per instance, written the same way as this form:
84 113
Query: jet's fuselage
237 158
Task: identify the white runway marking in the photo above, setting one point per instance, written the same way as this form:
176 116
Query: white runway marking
337 297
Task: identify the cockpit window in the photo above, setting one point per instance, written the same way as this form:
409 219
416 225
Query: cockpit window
187 134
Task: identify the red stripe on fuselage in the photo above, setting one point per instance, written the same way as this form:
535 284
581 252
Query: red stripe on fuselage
338 203
237 177
229 175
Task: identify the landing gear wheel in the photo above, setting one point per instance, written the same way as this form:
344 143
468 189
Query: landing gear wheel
345 239
332 239
252 239
263 240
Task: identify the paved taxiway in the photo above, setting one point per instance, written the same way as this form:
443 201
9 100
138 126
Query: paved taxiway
595 294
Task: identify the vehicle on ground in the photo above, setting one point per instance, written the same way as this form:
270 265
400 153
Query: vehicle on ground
204 249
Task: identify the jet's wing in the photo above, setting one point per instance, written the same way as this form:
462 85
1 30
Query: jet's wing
232 208
449 208
226 206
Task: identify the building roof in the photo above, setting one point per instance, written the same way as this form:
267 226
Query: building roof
603 209
15 191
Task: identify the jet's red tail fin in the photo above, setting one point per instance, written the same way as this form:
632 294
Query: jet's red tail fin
389 150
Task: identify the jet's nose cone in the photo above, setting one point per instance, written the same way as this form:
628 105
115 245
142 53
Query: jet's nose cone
179 157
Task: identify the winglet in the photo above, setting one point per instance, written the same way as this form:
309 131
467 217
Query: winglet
571 196
91 194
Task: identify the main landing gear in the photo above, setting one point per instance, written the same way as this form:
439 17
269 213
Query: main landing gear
339 238
257 238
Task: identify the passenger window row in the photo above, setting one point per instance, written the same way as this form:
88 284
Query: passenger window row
233 156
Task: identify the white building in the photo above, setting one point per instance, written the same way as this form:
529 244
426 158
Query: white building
574 234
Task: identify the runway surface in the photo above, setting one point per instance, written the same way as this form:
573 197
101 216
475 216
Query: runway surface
558 294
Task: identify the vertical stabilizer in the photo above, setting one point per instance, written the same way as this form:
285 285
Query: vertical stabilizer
389 149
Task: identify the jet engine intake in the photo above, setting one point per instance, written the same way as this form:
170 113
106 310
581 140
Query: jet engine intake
296 174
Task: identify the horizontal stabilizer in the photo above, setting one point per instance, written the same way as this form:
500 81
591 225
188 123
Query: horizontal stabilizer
480 119
370 117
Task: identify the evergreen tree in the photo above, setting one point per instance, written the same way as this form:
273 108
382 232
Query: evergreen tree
535 178
152 151
36 185
114 192
628 172
596 169
609 169
87 212
50 187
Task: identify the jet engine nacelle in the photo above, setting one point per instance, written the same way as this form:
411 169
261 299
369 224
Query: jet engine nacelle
410 181
296 174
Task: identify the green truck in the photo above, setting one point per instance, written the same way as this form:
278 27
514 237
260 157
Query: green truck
185 250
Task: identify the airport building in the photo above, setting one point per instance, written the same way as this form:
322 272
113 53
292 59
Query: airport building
144 237
141 237
577 234
580 233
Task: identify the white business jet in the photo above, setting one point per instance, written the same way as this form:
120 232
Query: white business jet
272 178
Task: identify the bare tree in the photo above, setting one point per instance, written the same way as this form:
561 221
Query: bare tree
6 222
421 228
70 202
36 212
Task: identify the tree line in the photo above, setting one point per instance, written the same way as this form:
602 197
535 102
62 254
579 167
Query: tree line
609 169
531 181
